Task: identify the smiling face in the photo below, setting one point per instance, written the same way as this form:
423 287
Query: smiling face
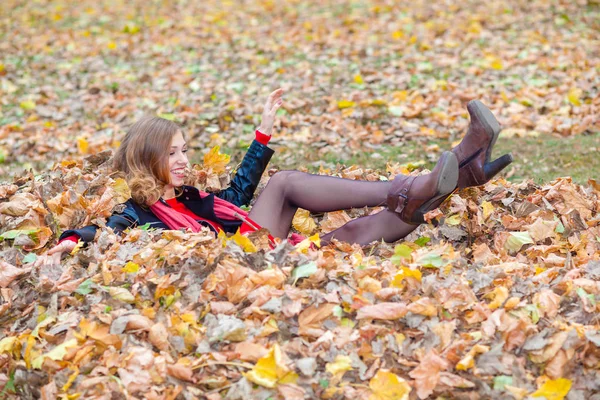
178 159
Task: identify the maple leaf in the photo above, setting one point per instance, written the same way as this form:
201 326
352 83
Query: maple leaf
57 353
553 389
216 160
270 370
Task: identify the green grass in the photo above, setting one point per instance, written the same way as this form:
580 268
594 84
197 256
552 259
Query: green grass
542 158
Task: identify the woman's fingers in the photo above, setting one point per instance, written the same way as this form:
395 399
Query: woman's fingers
62 247
273 98
276 106
275 94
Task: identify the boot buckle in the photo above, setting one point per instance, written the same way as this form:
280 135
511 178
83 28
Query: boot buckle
401 203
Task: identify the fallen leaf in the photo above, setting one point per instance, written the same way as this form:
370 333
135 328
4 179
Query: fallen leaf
270 371
388 386
427 374
385 311
553 389
303 222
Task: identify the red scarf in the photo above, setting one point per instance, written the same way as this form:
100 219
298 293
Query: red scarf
223 210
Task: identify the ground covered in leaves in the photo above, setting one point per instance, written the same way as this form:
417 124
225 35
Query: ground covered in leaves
499 300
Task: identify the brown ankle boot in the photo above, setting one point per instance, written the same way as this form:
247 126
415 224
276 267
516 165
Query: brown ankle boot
474 151
413 196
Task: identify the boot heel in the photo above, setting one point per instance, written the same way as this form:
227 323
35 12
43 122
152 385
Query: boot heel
491 169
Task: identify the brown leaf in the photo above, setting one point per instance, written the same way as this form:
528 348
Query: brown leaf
541 229
388 311
250 351
427 374
424 306
8 273
309 320
135 321
549 302
180 371
334 220
159 336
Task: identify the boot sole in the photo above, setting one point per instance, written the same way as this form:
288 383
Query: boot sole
445 185
492 126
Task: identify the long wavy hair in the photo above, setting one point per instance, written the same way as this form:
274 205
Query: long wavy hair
143 158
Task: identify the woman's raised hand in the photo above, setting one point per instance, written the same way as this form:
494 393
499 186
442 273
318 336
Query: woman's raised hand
271 106
52 257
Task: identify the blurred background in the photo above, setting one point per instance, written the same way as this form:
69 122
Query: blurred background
367 82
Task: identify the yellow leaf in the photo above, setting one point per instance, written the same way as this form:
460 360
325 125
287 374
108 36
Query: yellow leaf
397 35
516 240
130 268
28 348
574 96
1 67
78 246
7 344
111 45
388 386
488 209
553 389
131 28
27 105
57 353
121 189
245 243
269 327
474 27
468 361
345 104
404 273
270 370
453 220
340 365
71 379
121 294
401 95
499 296
216 160
303 222
305 244
496 63
83 145
378 103
358 79
539 270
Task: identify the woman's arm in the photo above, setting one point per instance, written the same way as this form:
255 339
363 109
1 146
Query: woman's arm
248 176
255 161
69 238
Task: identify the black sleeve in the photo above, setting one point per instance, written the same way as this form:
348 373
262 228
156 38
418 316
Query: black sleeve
118 222
248 176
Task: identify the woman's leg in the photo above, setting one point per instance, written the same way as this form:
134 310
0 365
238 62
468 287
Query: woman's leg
384 225
289 190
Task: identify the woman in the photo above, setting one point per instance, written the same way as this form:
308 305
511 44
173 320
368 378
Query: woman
159 198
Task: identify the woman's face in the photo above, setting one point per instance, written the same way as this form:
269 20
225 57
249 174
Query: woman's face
178 160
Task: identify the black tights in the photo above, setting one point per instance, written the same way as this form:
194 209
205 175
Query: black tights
289 190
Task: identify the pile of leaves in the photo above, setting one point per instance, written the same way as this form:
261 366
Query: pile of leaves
500 299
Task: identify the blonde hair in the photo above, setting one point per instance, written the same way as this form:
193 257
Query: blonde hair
144 158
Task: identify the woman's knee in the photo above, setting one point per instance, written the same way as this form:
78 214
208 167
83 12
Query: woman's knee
283 179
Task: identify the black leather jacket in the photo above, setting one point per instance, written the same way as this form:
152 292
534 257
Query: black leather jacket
239 193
